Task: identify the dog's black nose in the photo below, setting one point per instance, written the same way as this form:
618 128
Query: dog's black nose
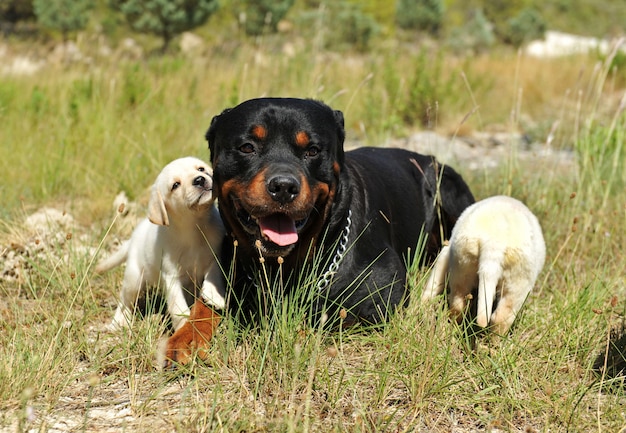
283 188
199 181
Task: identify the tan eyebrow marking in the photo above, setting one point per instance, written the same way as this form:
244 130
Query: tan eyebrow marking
259 132
302 139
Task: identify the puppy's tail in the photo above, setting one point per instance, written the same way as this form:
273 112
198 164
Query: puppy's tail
489 273
115 259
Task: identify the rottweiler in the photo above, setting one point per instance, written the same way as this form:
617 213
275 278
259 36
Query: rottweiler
289 195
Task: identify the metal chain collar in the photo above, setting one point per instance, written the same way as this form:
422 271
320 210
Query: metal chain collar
327 277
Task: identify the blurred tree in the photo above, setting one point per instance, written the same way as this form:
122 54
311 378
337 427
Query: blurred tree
422 15
499 12
383 11
355 26
339 25
528 25
475 36
13 11
259 16
63 15
165 18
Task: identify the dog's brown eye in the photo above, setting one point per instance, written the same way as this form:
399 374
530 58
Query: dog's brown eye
201 169
176 185
247 148
312 151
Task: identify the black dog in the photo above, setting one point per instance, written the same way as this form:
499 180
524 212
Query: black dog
288 192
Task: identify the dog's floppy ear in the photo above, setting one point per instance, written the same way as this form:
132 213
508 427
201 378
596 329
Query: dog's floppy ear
341 134
445 196
157 214
456 195
210 134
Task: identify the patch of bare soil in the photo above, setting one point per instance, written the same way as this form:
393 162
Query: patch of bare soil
485 151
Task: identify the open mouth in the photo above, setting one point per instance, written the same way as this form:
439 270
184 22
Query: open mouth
278 228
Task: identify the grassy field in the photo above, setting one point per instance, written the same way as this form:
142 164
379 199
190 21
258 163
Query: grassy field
74 136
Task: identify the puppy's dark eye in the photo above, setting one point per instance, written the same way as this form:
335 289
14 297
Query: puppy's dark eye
201 169
247 148
176 185
312 151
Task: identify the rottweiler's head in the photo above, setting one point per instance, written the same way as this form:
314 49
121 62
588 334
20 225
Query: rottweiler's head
276 167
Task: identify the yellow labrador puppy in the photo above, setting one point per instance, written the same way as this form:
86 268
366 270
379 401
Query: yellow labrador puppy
175 247
497 247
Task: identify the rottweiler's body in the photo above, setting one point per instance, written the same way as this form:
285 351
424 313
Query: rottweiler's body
288 192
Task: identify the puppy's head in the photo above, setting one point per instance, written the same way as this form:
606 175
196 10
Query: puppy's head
184 187
276 165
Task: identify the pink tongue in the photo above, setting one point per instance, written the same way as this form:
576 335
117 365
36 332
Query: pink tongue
279 228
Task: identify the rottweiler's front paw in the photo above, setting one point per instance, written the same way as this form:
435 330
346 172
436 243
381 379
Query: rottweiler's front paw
193 338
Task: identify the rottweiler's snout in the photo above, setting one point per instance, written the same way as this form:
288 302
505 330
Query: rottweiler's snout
283 188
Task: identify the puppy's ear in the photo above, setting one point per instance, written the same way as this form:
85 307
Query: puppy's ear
210 134
157 214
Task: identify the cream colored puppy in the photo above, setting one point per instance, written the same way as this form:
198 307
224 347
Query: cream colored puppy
497 247
175 247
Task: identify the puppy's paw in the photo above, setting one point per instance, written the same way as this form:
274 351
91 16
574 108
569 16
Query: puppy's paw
114 326
193 338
